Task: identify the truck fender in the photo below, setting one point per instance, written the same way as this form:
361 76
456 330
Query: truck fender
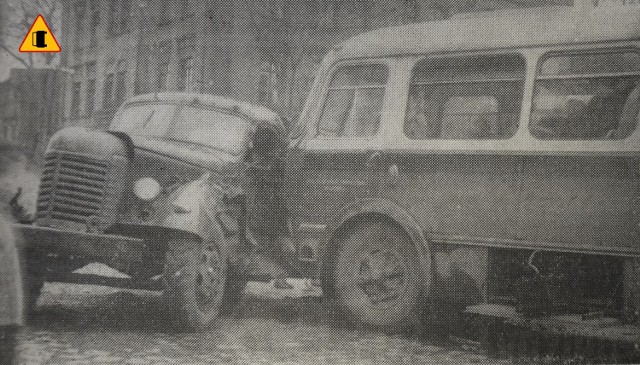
198 207
382 208
188 212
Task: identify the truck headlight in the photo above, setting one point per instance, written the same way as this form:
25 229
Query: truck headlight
146 188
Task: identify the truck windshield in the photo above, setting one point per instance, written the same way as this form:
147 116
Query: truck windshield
195 125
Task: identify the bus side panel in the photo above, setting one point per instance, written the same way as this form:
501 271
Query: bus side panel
469 195
581 202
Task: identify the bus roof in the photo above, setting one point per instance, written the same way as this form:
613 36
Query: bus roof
501 29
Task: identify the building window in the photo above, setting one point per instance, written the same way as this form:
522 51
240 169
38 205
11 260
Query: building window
79 27
108 91
95 19
121 90
268 81
221 15
186 9
119 14
113 13
142 73
185 80
163 66
91 91
15 131
265 83
164 12
91 87
163 76
125 15
185 65
10 130
75 99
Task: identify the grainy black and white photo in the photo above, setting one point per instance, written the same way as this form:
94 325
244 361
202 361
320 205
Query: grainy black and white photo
319 182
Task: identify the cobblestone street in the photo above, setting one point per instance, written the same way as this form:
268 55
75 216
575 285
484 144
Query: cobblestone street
82 324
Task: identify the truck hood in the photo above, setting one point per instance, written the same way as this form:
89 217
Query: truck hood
87 142
207 159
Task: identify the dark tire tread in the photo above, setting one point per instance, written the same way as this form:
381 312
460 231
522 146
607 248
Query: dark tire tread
411 306
179 293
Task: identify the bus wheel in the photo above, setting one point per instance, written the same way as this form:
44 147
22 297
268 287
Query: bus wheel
195 279
376 277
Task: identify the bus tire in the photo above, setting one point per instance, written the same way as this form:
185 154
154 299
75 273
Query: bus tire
377 278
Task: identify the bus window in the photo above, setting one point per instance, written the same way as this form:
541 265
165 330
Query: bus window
477 97
586 96
353 105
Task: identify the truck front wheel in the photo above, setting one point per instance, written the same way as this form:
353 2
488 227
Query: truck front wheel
195 278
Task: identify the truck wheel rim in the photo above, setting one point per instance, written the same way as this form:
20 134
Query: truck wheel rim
209 280
381 276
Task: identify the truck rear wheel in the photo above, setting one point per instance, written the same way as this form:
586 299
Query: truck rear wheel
376 277
195 279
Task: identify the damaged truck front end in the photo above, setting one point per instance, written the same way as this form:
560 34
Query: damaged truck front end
154 197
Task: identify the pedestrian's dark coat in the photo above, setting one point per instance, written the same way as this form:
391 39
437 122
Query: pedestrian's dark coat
10 277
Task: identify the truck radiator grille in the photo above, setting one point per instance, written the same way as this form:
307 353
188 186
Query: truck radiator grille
73 188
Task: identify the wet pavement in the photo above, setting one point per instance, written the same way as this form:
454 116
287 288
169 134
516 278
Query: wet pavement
83 324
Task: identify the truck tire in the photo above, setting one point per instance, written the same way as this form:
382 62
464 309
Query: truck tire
377 277
194 279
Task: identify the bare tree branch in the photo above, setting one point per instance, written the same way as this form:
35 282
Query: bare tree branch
15 56
17 18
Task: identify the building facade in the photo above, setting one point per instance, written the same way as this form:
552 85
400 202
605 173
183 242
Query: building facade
261 51
31 108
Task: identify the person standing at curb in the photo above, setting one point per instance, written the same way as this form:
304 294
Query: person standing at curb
11 307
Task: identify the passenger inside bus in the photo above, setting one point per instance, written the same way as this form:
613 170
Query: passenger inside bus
470 117
476 97
587 97
608 113
605 109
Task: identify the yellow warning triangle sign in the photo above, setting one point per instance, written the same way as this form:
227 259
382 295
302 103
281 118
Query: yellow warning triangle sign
39 38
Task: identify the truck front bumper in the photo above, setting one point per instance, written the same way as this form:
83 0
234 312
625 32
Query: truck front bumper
100 247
